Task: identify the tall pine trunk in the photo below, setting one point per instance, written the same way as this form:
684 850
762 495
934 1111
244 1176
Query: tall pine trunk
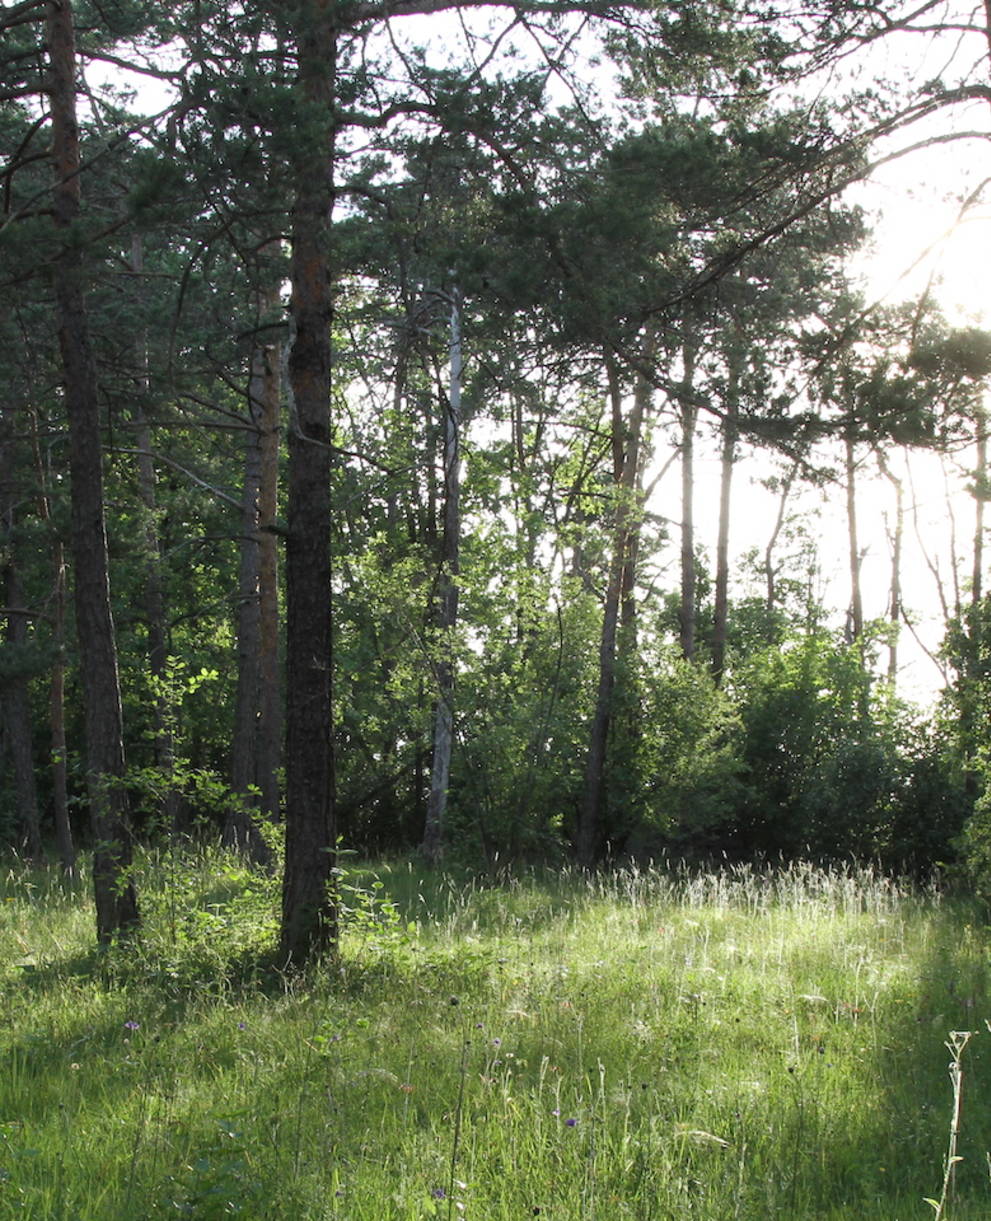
17 728
626 438
447 602
56 685
153 590
253 767
269 744
309 914
116 902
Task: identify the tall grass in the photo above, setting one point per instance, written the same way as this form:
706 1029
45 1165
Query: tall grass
738 1044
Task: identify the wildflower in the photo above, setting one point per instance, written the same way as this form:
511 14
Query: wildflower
439 1193
497 1042
556 1112
131 1024
242 1025
571 1123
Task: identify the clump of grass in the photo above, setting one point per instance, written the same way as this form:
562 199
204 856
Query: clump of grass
650 1043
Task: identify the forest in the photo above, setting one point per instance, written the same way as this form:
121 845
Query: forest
348 349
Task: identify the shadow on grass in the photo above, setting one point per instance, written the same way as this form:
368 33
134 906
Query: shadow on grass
891 1157
952 993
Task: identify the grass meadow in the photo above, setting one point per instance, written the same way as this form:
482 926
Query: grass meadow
653 1044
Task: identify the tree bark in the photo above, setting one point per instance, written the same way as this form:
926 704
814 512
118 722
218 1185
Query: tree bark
626 450
56 717
153 591
447 607
309 915
56 687
17 710
269 750
15 700
116 902
628 617
730 431
895 589
689 413
253 768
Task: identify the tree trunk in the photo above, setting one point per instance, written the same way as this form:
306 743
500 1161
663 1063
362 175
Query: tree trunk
153 592
982 489
689 413
17 711
770 572
730 431
447 608
14 694
626 451
895 590
309 915
269 751
116 902
238 828
56 688
643 394
856 599
252 765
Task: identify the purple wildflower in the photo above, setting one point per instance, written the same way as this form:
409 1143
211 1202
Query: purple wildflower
571 1123
131 1024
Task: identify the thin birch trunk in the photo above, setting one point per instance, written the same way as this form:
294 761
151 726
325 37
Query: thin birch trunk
897 536
853 544
981 484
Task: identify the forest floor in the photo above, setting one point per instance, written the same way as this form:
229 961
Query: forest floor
737 1045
